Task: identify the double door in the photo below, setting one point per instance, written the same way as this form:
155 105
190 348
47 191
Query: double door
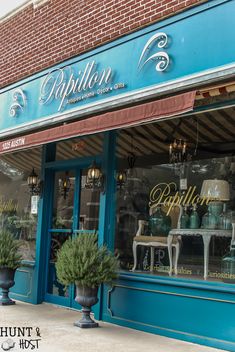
73 208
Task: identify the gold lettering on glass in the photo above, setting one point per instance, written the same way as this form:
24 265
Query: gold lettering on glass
167 194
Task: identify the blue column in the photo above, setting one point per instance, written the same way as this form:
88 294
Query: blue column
107 203
107 199
48 154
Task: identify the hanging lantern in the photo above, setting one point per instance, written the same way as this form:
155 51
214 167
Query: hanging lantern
35 186
95 178
121 179
93 173
64 185
32 181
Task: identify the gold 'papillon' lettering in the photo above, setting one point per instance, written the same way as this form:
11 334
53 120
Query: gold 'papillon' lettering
167 194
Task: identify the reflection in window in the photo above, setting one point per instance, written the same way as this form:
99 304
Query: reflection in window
89 206
53 285
15 207
63 200
63 207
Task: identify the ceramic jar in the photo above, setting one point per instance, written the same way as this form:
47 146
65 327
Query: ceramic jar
159 223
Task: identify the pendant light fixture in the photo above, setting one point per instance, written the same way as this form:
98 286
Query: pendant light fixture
34 184
121 178
64 185
95 178
178 151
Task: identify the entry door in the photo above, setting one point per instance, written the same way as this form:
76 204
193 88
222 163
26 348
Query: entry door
73 208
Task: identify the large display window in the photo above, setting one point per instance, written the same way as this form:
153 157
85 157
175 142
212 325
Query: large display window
15 198
175 211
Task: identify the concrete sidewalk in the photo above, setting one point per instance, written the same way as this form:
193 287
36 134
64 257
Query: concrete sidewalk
58 333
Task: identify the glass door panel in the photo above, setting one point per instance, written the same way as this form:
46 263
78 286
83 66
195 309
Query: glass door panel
63 203
89 206
74 208
60 231
88 215
53 286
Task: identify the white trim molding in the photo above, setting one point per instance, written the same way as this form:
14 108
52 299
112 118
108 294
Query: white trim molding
24 3
38 3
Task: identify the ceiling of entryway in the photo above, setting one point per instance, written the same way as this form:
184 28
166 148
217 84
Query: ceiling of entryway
211 132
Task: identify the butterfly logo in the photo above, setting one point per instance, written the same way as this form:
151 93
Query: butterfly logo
19 102
160 40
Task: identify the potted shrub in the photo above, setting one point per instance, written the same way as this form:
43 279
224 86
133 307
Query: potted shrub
10 260
81 262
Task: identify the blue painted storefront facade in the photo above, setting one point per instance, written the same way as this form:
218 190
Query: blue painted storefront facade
189 48
200 47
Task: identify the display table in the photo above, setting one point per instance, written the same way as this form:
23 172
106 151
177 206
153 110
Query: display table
206 236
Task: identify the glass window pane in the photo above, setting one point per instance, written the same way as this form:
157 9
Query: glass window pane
154 177
15 198
63 200
89 206
53 285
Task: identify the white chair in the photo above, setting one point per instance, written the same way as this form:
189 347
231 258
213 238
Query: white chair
159 241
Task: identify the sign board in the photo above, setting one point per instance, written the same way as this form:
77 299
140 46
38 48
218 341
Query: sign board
140 63
34 204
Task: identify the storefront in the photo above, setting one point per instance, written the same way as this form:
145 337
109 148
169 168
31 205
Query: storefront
155 112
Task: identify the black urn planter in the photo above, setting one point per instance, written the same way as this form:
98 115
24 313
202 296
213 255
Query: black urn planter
6 281
86 297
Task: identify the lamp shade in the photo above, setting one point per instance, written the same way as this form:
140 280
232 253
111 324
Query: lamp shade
215 189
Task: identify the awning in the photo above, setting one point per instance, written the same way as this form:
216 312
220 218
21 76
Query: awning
127 117
215 91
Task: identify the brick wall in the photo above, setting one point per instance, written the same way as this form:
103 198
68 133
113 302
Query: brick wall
35 39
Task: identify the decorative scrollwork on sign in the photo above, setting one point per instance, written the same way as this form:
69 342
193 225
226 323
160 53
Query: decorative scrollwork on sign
161 56
19 102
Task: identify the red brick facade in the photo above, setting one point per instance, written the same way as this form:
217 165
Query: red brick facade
35 39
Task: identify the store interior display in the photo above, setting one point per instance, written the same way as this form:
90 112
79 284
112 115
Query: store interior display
159 224
196 171
15 209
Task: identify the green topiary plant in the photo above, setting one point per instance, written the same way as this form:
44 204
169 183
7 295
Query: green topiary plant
10 260
9 251
82 262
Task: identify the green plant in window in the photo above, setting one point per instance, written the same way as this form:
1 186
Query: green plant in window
24 225
10 260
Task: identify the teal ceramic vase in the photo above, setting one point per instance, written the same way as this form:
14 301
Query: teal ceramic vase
228 265
215 208
160 223
214 211
194 220
225 219
184 220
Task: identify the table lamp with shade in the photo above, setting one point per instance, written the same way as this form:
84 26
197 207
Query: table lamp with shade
217 192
